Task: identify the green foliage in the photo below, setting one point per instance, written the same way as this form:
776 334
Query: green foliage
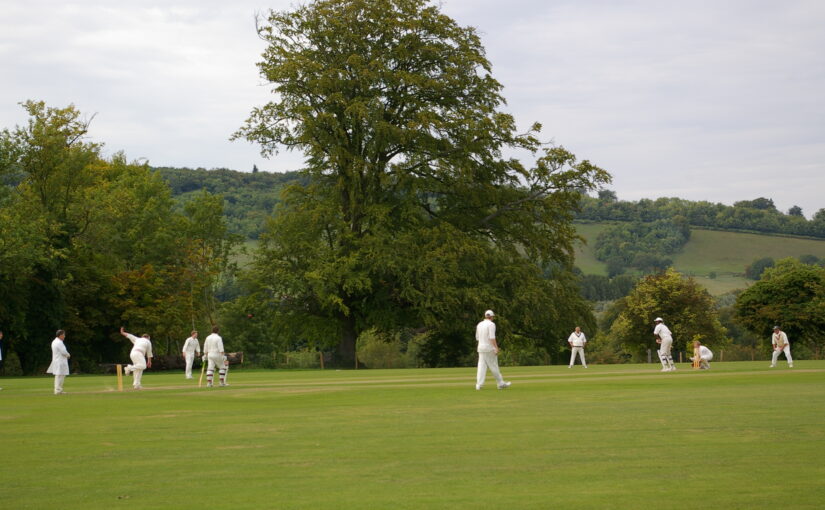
89 244
11 365
792 295
759 215
602 349
380 350
411 216
811 260
248 198
688 310
757 267
641 245
602 288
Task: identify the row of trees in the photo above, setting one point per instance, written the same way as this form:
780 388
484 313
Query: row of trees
790 294
408 219
759 215
89 243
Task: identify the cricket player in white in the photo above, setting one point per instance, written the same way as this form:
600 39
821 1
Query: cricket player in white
213 353
705 355
665 338
780 344
577 341
141 357
190 347
60 361
488 351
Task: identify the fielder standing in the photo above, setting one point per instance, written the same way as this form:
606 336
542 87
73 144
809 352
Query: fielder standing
60 361
780 344
141 357
577 341
213 353
190 347
665 338
488 351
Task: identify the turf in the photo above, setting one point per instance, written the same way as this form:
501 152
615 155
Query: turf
738 436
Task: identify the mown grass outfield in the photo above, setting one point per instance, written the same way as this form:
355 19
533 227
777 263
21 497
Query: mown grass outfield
738 436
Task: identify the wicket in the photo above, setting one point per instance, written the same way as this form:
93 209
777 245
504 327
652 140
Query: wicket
696 359
119 370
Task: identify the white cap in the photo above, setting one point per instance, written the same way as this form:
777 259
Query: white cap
658 319
489 313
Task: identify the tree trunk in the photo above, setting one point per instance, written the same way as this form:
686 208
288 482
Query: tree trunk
346 347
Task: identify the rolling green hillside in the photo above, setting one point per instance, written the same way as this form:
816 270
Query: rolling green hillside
725 253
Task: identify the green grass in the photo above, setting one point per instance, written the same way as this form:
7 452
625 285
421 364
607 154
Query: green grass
725 253
737 436
585 258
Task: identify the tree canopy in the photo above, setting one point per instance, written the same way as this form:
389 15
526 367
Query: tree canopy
89 243
687 309
791 295
412 216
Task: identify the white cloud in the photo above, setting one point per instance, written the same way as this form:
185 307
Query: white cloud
704 100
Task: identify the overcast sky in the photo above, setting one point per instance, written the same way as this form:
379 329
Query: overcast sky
703 100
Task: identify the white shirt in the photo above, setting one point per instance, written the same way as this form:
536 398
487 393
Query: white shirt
142 345
485 332
779 339
191 346
705 353
60 358
578 340
213 344
662 332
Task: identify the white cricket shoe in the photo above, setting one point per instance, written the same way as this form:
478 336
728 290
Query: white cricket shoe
665 369
673 368
504 385
127 370
771 366
209 385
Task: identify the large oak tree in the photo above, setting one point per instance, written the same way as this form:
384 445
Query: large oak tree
416 214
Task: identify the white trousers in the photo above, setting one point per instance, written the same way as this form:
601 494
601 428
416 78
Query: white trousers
579 350
137 367
58 384
664 352
787 351
190 358
488 360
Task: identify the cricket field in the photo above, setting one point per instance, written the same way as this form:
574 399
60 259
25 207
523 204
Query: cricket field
740 435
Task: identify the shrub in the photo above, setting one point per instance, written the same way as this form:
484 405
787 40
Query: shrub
384 350
11 365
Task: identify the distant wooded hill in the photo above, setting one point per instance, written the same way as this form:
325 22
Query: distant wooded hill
642 232
251 197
